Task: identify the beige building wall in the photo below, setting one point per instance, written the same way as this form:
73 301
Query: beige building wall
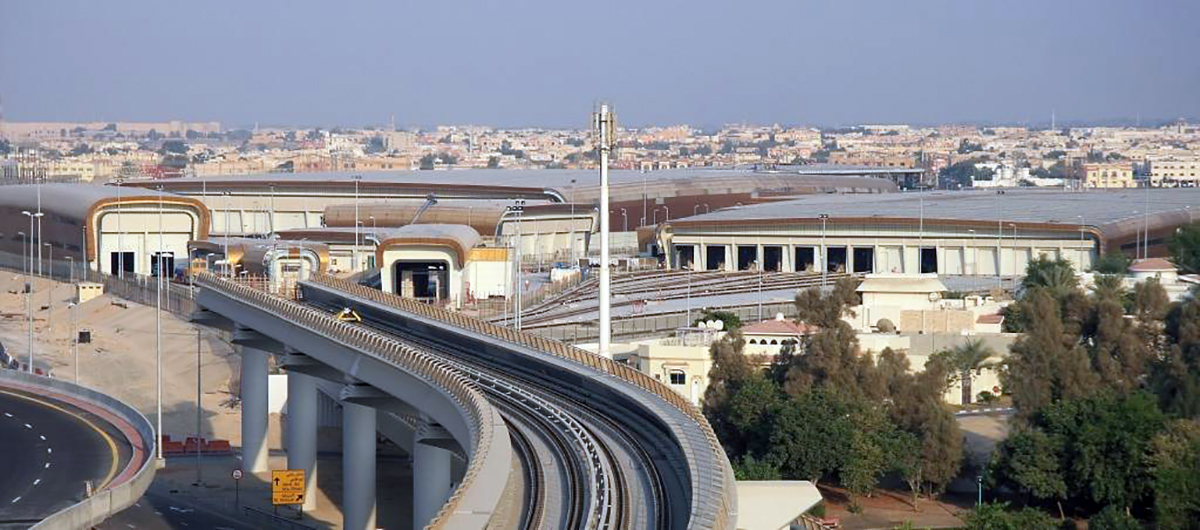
1175 171
1115 175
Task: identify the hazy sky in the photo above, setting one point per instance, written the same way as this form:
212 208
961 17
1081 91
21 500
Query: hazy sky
544 62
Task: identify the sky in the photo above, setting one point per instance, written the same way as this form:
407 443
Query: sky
545 63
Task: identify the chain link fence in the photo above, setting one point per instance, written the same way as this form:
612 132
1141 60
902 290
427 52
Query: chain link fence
178 298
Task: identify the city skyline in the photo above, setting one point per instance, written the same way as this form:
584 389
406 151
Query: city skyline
537 64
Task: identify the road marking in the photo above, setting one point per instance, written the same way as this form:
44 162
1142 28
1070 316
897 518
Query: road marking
7 415
36 482
14 501
49 450
112 445
42 436
28 426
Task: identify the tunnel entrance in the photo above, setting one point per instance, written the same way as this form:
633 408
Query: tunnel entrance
864 260
685 255
747 257
772 258
836 262
806 259
714 259
427 281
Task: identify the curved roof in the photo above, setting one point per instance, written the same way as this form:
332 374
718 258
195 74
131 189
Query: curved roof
76 201
481 215
1107 212
460 238
558 185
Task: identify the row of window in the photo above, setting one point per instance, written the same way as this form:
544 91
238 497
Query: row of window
774 342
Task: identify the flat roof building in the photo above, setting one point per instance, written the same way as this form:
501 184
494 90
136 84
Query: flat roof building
969 233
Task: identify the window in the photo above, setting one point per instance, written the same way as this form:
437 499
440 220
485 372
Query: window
753 341
678 377
774 342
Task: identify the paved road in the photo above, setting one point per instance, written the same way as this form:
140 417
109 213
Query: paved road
158 511
48 451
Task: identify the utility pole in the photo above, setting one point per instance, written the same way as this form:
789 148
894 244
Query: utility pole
605 124
158 331
354 265
824 252
199 410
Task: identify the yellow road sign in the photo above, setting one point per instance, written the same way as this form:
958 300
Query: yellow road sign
287 486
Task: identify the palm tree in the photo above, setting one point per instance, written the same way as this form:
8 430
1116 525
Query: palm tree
1055 275
1109 286
971 356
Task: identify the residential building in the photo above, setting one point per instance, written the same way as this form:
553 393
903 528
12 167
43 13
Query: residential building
1175 171
1109 175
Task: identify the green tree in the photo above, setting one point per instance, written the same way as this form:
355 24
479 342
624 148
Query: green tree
1175 377
1055 275
750 468
1045 365
1113 262
1184 248
730 320
1113 518
964 360
1028 461
493 162
810 435
1175 461
997 516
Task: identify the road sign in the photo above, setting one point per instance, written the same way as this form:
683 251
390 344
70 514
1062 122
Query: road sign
287 486
237 474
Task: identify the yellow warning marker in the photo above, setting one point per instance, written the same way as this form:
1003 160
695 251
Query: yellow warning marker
349 315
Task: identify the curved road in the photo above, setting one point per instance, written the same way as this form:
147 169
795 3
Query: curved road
49 449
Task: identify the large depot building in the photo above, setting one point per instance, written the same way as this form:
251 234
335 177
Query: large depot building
983 233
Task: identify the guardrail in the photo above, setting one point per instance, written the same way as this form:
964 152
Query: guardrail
437 373
116 497
596 362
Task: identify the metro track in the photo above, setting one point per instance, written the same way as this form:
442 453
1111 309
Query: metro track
593 461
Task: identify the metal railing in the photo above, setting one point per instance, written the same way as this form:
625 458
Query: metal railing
178 298
723 481
644 325
114 497
462 392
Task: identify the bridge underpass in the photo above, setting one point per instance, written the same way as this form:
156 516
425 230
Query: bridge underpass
571 439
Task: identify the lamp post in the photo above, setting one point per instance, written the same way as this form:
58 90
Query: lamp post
354 253
74 307
605 123
375 238
158 332
574 262
120 235
1080 243
29 277
50 287
824 259
1014 252
228 265
667 214
624 221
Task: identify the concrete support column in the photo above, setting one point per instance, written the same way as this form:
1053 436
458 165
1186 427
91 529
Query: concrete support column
254 410
302 432
358 467
431 474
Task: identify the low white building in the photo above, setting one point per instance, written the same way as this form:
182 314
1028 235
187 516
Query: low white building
769 337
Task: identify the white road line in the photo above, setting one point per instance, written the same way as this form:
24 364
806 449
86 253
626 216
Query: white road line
14 501
7 415
47 466
28 426
42 436
49 450
36 482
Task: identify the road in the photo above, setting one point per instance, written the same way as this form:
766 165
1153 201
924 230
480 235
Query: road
49 450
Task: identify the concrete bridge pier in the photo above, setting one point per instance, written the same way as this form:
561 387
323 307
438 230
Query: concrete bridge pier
358 466
431 471
254 410
302 432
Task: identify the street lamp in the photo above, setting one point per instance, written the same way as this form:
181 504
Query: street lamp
1080 243
158 330
624 221
975 257
1014 252
29 281
824 258
354 253
75 336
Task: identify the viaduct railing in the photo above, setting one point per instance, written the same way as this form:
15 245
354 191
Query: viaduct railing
720 481
468 399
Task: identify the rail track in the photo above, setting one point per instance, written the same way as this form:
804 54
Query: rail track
663 287
591 458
